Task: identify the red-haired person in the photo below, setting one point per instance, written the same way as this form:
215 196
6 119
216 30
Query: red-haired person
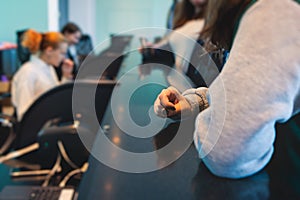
38 75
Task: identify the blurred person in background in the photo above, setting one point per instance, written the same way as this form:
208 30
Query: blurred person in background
38 75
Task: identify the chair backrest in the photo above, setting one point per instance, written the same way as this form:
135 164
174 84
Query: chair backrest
56 104
107 65
163 55
22 52
119 42
108 62
84 46
116 60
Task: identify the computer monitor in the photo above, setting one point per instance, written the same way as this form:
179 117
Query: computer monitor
8 62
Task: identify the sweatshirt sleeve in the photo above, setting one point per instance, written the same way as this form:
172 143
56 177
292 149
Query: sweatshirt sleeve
259 86
198 99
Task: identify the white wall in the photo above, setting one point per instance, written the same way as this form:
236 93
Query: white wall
83 13
18 15
116 16
100 18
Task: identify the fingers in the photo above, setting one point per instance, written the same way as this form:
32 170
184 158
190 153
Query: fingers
159 109
170 103
68 63
140 49
148 44
166 103
167 100
176 93
67 68
170 97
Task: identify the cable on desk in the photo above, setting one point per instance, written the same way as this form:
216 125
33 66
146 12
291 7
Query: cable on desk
33 172
72 173
65 155
11 136
19 152
30 173
55 168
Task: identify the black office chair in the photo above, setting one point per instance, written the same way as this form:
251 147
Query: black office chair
119 42
164 55
22 52
50 117
104 66
84 47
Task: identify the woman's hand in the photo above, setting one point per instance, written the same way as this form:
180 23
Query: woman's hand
67 68
149 48
145 47
170 103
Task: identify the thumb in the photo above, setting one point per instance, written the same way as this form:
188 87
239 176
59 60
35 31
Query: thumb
177 94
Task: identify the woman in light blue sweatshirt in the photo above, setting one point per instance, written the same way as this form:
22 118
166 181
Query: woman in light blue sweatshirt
258 87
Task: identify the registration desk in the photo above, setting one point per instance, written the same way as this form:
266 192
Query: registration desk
147 173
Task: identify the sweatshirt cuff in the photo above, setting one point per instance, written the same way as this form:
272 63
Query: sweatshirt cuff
198 99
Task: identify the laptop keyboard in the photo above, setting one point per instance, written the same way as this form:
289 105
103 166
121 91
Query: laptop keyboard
37 193
41 193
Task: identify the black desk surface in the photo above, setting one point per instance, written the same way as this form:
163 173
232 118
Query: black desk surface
185 178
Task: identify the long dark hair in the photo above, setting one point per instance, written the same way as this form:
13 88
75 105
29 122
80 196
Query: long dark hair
220 21
186 11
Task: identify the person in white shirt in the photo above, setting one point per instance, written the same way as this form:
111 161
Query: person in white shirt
38 75
188 23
